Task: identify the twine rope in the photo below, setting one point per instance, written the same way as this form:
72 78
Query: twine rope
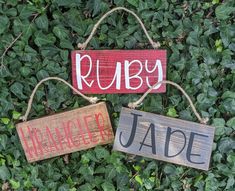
83 46
92 100
137 103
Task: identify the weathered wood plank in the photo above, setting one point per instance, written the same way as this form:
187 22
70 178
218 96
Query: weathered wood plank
164 138
65 132
118 71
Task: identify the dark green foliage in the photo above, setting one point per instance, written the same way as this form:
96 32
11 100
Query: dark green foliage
200 39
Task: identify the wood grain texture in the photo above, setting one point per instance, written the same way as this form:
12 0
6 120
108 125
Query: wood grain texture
163 138
112 71
65 132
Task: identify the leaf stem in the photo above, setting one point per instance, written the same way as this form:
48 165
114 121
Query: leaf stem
6 50
2 65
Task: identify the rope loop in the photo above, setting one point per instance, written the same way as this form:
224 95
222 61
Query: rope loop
92 100
83 46
137 103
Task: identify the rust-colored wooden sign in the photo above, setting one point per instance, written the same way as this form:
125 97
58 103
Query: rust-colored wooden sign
164 138
65 132
118 71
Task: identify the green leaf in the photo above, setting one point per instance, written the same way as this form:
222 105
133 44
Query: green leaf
218 43
110 172
5 120
11 12
4 21
227 33
4 173
133 2
67 3
25 11
137 168
228 106
231 158
17 89
215 2
123 181
3 140
60 32
64 55
139 180
16 115
15 184
223 11
86 170
170 169
231 123
12 2
101 153
149 183
96 7
219 123
41 74
66 44
107 186
25 71
86 187
42 39
42 22
63 187
228 94
226 145
172 112
230 182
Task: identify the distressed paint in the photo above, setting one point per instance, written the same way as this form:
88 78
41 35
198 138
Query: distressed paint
164 138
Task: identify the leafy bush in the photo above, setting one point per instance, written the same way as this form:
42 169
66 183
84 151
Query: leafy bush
38 36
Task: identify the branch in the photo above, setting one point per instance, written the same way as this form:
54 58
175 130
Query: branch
2 66
6 50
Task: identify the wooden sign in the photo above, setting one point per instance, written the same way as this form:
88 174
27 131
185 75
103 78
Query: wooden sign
118 71
65 132
163 138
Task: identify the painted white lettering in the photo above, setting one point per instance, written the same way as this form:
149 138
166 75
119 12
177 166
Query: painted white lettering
79 75
116 76
127 65
158 66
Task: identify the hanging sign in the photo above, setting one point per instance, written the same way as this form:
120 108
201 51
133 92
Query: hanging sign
163 138
65 132
118 71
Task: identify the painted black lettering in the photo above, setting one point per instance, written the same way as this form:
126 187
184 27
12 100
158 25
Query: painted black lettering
133 131
190 146
168 138
153 141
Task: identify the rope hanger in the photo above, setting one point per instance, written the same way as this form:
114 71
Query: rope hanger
137 103
83 46
92 100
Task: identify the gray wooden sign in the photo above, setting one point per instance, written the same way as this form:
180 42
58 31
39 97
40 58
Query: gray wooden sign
164 138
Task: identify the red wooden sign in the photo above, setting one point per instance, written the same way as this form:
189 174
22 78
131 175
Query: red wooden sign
65 132
118 71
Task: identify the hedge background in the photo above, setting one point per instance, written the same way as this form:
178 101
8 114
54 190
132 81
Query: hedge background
38 36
